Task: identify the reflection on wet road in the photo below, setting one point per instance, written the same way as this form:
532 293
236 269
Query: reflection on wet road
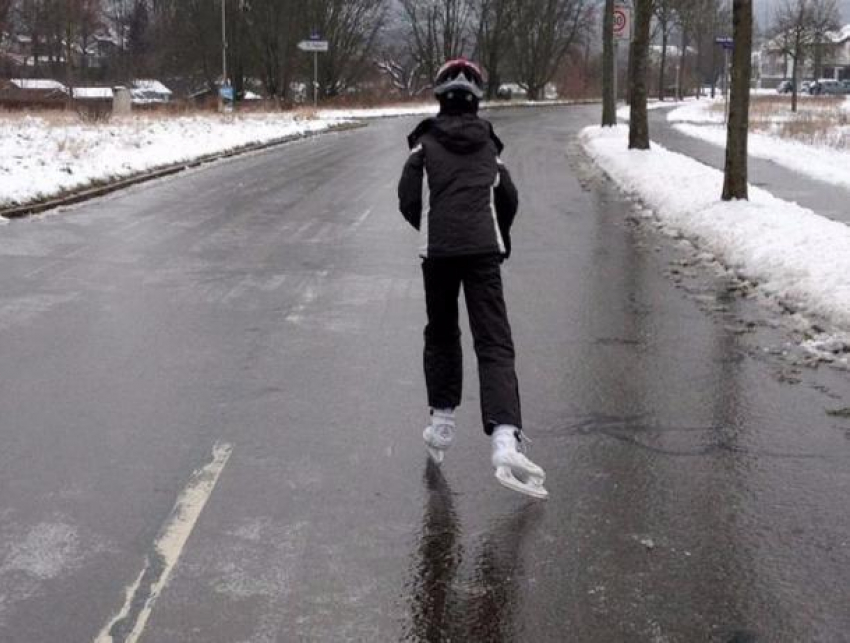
446 606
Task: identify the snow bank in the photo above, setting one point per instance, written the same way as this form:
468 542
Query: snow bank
41 159
698 112
624 112
791 252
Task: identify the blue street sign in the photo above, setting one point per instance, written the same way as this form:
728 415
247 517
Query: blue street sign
726 43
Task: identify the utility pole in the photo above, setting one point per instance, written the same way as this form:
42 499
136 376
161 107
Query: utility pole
222 99
609 71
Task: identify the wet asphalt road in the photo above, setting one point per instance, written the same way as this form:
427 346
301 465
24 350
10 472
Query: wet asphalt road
273 303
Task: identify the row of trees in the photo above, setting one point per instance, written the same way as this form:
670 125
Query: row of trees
735 174
405 41
695 23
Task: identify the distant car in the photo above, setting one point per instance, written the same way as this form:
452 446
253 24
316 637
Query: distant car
845 85
806 86
826 86
785 87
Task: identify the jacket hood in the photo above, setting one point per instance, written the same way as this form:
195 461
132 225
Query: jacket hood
462 134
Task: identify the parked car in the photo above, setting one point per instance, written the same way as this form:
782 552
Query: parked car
806 86
826 86
785 87
845 85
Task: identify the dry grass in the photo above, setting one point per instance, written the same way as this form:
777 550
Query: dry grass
820 120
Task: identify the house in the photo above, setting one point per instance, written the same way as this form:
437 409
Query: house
773 65
32 92
149 92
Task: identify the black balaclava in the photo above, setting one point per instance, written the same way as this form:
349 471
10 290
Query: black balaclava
457 103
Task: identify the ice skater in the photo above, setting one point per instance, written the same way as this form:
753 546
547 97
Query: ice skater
465 236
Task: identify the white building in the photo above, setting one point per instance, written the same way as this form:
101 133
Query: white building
774 65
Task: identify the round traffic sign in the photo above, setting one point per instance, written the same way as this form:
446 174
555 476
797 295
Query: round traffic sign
622 17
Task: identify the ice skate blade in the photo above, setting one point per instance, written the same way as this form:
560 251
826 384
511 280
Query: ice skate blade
533 488
517 462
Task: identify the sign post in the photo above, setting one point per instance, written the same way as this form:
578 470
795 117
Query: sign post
728 45
316 45
622 31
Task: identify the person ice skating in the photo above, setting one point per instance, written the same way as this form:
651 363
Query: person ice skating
465 236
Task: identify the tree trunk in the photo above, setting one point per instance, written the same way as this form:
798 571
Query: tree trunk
680 72
794 86
609 101
735 176
638 122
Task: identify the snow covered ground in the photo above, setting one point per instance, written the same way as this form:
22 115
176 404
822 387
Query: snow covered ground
42 157
826 161
793 254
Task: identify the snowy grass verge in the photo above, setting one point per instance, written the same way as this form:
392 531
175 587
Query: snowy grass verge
793 254
41 159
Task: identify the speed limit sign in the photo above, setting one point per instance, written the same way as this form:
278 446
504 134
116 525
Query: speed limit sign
622 22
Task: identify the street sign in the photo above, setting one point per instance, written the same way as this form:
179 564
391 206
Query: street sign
226 92
313 45
622 22
726 43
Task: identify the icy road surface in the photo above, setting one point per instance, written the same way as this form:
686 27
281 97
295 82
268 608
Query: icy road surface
211 409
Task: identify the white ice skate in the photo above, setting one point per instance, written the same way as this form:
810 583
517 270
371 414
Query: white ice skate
513 469
439 434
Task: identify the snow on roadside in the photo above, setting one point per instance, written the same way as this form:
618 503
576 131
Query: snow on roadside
624 112
41 159
792 253
379 112
697 112
428 109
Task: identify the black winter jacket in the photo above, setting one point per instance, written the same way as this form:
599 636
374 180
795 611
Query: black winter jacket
472 198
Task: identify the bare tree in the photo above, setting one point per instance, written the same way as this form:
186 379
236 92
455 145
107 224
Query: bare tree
737 129
798 26
664 21
824 17
493 43
350 27
274 36
439 30
5 16
639 64
544 32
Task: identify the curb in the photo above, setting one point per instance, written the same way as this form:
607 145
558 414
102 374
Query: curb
107 187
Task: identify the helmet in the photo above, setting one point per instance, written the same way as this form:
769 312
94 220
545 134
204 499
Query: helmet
459 75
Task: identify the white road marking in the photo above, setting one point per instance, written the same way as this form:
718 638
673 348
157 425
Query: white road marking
129 623
362 218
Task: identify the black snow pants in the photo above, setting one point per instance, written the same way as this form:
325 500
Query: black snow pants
481 278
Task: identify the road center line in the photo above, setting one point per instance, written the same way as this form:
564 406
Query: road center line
359 221
129 623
